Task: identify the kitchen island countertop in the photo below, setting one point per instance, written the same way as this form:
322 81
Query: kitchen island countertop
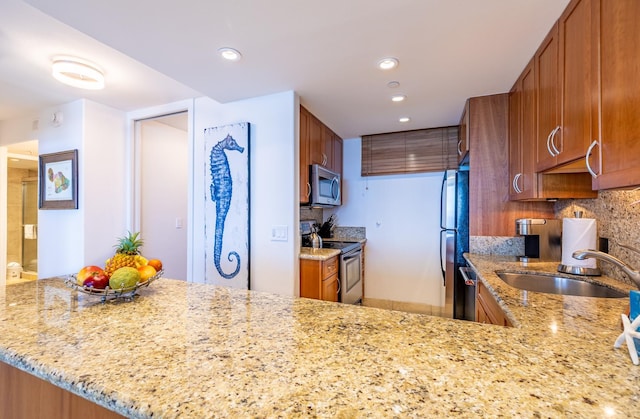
194 351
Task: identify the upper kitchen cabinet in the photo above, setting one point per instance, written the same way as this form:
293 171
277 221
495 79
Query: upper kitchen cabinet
526 183
616 112
305 185
564 79
463 135
522 132
547 87
318 145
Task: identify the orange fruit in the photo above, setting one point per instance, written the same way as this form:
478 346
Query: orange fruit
146 272
157 265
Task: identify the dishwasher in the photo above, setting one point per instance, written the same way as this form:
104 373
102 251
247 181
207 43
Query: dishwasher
470 279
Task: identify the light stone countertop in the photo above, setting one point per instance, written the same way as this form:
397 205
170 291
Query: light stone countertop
318 254
195 351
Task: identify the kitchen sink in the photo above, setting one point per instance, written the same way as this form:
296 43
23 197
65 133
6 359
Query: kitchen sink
553 284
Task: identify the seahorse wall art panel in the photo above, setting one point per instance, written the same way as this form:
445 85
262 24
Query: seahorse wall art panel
227 205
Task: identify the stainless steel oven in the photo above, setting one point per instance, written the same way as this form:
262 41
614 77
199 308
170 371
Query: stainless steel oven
350 271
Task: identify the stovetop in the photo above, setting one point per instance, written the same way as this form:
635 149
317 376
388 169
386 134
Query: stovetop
344 246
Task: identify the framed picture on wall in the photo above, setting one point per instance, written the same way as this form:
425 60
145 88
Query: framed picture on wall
58 176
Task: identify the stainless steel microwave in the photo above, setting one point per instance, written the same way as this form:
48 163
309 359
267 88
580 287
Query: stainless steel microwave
325 187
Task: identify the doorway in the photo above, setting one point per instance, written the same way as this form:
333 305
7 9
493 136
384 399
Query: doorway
162 159
22 212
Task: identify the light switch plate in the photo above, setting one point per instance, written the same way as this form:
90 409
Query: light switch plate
279 233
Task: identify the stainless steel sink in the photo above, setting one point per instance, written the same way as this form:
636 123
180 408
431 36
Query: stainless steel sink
558 285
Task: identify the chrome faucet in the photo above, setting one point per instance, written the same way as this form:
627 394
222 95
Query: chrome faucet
633 274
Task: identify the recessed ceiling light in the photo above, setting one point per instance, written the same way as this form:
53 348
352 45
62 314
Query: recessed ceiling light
393 84
398 98
388 63
404 119
230 54
77 72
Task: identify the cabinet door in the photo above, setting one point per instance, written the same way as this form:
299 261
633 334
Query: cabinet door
463 137
316 143
576 55
337 154
522 132
515 154
305 186
618 107
549 134
327 147
330 288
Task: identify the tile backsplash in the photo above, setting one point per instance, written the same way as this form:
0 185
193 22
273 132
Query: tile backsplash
618 217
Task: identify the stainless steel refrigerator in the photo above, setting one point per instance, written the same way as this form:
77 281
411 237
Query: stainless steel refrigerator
454 241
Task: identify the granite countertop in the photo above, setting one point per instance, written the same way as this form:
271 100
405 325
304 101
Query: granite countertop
318 254
193 351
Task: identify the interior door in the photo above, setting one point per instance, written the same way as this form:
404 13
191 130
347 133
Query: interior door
162 157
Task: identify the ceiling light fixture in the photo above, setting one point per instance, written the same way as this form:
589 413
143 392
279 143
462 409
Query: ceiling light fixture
388 63
393 84
230 54
77 72
404 119
398 98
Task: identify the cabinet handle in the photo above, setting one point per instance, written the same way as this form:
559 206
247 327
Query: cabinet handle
308 189
589 150
551 146
515 183
553 140
339 286
324 159
459 147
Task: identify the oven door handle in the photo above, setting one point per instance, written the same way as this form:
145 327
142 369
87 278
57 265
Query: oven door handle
346 258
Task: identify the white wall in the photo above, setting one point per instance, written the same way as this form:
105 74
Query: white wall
273 185
164 184
401 214
70 239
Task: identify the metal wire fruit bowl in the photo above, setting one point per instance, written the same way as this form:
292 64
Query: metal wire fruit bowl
110 293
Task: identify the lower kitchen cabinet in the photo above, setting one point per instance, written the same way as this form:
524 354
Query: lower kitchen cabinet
487 308
26 396
319 279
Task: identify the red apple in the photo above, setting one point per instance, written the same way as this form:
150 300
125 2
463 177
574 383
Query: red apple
97 280
88 271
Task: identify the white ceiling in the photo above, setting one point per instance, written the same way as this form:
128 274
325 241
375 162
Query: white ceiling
154 52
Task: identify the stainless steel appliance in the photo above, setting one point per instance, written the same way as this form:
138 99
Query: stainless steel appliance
454 241
542 238
350 270
325 187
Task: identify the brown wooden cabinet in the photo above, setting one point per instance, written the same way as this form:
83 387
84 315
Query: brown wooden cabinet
26 396
547 89
487 308
616 112
318 145
522 133
319 279
576 55
305 186
526 183
463 134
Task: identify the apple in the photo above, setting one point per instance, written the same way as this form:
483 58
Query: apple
98 280
88 271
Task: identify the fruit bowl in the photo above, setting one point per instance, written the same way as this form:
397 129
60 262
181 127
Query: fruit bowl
110 293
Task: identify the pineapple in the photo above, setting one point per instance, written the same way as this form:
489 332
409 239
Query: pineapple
126 251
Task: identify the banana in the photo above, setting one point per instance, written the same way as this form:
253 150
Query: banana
141 261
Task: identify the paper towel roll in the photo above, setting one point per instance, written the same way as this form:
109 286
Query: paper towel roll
578 234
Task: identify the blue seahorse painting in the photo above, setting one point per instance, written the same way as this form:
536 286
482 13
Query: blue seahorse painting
221 189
